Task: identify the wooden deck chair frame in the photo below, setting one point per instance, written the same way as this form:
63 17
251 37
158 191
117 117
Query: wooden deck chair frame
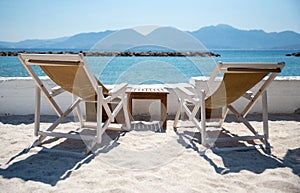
199 99
74 61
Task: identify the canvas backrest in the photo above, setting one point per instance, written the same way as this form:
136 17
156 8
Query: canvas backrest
232 87
238 79
69 72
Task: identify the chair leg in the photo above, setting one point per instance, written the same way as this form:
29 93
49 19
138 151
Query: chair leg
221 122
37 111
265 119
79 113
126 113
99 115
178 113
203 119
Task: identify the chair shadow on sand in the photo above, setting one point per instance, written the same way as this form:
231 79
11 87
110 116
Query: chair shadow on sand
255 160
292 160
29 119
52 167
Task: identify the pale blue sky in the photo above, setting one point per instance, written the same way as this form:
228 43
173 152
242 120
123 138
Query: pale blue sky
45 19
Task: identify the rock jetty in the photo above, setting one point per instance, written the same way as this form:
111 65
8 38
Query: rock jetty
130 54
297 54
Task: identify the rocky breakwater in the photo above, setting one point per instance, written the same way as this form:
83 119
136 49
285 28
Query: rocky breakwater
296 54
129 54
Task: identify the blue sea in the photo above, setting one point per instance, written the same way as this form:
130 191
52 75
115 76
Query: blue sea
152 70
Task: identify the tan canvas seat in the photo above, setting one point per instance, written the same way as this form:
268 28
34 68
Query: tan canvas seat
237 80
71 73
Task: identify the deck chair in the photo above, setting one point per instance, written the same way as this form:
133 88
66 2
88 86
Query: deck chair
238 79
71 73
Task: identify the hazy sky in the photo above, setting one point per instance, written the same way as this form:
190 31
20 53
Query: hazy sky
45 19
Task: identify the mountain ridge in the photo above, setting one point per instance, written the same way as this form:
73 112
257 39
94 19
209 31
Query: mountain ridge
221 36
225 36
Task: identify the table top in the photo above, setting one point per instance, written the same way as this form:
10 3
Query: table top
147 90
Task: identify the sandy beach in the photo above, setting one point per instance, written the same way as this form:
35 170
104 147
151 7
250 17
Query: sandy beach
149 161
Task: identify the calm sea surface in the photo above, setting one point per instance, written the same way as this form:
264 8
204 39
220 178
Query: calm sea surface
151 70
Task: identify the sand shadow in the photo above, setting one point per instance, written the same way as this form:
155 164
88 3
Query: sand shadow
292 160
253 160
271 117
29 119
45 167
52 167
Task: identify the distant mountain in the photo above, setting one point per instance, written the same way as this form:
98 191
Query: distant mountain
226 37
118 41
78 41
160 39
83 40
174 39
212 37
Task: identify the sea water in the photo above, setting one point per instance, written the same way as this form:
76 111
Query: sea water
152 70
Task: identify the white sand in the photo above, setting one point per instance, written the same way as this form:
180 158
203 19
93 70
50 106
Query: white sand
147 161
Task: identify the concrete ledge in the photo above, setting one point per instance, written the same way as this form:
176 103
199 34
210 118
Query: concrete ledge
17 97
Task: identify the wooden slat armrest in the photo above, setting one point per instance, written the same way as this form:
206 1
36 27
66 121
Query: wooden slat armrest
118 88
185 91
56 91
248 95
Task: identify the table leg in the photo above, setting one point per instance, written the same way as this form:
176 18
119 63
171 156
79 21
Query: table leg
130 105
163 111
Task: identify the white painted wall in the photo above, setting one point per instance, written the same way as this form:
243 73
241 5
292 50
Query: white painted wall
17 97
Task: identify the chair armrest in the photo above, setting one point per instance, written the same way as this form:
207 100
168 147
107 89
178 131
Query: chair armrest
184 93
56 91
118 88
248 95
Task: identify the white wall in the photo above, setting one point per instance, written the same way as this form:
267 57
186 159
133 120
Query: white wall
17 97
